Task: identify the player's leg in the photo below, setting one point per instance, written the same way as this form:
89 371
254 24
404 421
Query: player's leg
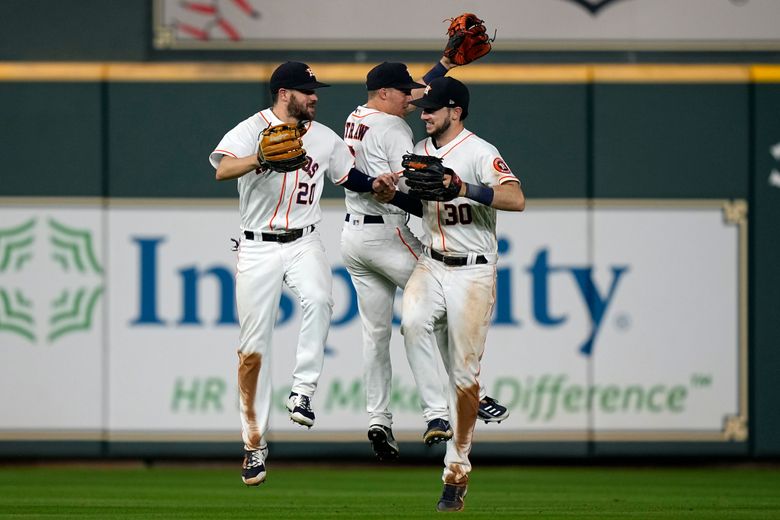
470 293
423 306
362 250
375 304
309 277
258 288
422 357
375 299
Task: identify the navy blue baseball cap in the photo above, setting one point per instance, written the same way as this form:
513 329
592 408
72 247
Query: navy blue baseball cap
391 75
294 75
444 92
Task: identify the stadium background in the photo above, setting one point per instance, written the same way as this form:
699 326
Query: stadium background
92 111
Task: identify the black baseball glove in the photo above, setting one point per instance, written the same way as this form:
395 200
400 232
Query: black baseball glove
424 176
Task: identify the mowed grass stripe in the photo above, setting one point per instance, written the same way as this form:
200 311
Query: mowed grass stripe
389 492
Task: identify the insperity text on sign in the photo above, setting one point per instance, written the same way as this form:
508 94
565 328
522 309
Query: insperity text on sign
619 321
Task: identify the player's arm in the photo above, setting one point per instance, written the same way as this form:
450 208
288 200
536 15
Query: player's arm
235 167
495 185
390 194
441 68
406 202
358 181
236 153
508 196
341 159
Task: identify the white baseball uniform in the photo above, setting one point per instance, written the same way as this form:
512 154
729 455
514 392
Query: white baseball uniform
380 252
277 203
459 231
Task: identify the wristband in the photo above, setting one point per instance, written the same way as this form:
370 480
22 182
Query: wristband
359 182
481 194
407 203
437 71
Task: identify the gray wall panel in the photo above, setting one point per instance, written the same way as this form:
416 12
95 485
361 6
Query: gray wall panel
160 136
680 141
765 273
53 140
75 30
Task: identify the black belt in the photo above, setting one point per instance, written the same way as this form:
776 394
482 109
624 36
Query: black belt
456 260
289 236
368 219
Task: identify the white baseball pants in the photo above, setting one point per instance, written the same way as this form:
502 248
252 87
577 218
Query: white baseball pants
463 297
380 258
262 268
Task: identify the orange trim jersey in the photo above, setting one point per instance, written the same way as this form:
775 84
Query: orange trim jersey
463 226
278 201
378 141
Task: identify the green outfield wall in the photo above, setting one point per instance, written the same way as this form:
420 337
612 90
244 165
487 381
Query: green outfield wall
118 130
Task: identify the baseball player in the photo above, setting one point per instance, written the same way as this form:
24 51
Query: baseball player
280 244
454 282
380 252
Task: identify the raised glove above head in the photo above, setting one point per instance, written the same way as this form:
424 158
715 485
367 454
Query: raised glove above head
281 147
468 39
424 176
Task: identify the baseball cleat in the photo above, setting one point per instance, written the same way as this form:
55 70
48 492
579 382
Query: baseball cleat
451 498
253 469
438 430
299 406
491 411
383 442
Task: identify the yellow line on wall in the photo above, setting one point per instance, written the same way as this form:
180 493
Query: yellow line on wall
671 73
43 71
765 73
195 72
190 72
506 73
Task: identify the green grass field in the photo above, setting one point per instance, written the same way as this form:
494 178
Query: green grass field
388 492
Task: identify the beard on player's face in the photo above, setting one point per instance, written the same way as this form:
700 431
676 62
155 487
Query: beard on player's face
437 129
302 108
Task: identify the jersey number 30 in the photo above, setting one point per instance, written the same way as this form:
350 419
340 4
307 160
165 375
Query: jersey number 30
457 214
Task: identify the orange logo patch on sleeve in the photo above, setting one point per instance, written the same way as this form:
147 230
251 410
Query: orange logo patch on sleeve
500 165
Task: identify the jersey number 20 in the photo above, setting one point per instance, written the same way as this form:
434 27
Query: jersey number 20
305 193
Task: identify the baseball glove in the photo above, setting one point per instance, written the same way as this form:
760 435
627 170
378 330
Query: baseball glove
281 148
468 39
424 176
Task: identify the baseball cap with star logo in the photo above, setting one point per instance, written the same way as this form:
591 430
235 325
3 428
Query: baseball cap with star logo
444 92
294 75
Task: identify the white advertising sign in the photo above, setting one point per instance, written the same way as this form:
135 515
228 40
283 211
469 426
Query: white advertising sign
519 24
623 321
52 302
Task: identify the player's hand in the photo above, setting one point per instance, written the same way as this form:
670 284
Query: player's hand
384 187
384 197
450 177
390 177
448 63
383 183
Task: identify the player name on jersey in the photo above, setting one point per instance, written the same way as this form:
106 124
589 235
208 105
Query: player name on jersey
355 131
